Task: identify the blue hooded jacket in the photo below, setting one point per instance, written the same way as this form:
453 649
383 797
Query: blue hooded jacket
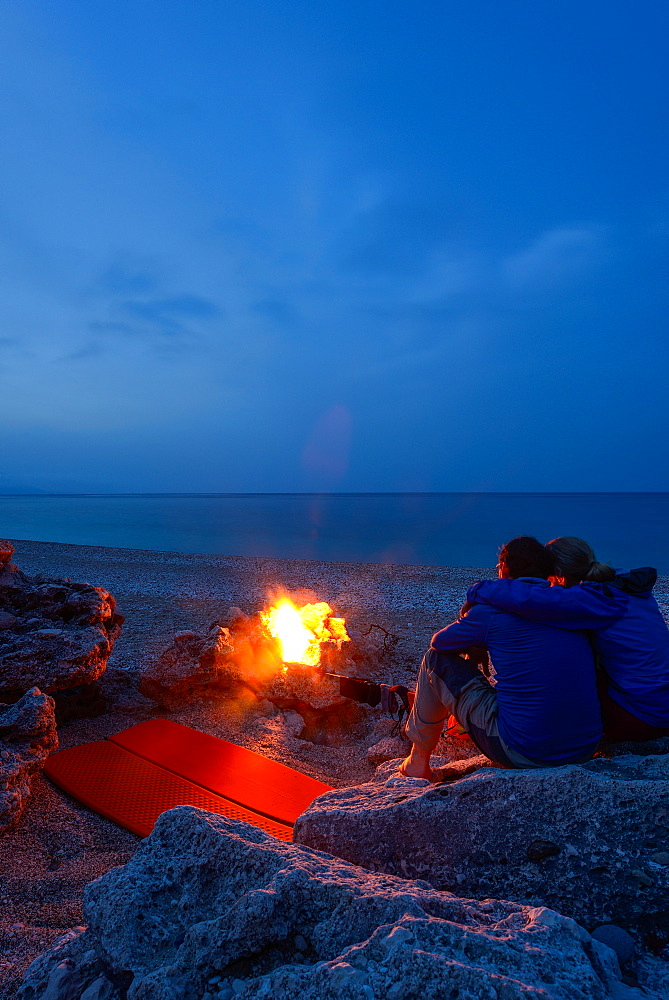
548 709
630 635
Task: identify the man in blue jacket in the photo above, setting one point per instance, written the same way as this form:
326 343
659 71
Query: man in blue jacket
543 709
629 636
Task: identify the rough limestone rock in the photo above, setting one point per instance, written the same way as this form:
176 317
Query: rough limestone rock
617 939
27 737
387 748
577 838
195 666
302 684
53 633
213 908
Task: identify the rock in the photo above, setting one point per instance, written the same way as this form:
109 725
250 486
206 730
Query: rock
617 939
99 989
387 749
640 876
206 897
7 620
539 850
301 684
6 552
570 837
54 634
67 979
193 667
27 737
660 858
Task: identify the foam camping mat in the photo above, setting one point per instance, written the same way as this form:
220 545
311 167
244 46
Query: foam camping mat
134 776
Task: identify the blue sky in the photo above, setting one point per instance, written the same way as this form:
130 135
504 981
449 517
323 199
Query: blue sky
282 246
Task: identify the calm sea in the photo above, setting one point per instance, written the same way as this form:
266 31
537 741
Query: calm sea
447 529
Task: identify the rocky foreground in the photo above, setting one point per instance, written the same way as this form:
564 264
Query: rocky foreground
589 840
212 908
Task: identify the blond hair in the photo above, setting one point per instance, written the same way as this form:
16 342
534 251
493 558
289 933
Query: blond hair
574 559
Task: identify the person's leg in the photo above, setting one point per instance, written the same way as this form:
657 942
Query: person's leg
476 710
441 680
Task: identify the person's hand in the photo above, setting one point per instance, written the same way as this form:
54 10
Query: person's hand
478 655
465 609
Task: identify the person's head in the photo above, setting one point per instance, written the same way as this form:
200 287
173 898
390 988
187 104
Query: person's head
575 561
525 556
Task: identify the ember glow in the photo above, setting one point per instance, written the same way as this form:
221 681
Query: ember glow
302 631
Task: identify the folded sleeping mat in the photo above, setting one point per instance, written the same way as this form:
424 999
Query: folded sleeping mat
134 776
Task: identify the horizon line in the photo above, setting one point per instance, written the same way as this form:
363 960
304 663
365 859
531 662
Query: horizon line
351 493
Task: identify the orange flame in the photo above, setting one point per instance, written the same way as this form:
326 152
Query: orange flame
301 631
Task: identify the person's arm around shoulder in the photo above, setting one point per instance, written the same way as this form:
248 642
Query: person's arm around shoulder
585 606
468 630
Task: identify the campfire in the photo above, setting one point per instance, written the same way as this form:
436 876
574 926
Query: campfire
302 632
297 657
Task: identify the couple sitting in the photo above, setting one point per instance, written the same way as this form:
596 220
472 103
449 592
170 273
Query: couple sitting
550 703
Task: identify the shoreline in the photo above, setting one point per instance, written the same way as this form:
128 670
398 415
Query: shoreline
161 593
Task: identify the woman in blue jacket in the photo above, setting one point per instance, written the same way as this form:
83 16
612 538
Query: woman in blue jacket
630 636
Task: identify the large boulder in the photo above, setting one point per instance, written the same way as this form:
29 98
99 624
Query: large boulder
581 839
27 737
54 634
214 908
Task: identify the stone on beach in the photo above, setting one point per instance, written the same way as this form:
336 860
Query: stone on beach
27 737
193 666
54 634
576 838
213 907
386 749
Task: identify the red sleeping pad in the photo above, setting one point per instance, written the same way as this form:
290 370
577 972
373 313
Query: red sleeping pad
137 774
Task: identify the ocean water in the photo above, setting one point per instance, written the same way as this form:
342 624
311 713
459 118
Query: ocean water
446 529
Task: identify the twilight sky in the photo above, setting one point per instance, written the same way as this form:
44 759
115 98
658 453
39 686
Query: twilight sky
269 245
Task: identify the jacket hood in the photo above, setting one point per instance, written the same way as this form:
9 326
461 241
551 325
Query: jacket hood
639 582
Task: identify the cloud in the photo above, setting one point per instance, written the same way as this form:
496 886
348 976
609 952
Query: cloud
158 324
169 319
276 311
394 238
124 279
162 312
9 343
85 353
450 273
13 351
96 326
558 257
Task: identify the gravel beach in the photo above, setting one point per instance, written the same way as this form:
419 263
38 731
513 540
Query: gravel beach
59 846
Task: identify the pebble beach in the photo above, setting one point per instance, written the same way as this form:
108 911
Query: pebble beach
59 846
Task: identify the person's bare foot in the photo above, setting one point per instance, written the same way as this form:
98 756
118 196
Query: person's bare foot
417 764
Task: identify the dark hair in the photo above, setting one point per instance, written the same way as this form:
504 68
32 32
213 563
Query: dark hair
575 560
526 556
